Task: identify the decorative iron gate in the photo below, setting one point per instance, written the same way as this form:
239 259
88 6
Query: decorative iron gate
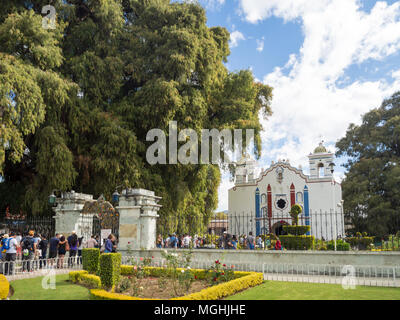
102 216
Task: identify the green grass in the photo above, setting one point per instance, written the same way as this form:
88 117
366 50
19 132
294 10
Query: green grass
31 289
275 290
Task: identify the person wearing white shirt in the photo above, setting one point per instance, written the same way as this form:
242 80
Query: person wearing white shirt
11 254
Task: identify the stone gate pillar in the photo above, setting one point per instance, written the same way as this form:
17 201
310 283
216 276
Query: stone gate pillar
68 211
137 219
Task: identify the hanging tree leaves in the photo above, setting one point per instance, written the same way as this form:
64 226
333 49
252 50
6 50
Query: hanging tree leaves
111 71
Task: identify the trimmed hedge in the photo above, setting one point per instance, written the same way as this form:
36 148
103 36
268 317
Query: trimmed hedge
291 242
340 245
90 280
4 287
360 242
110 269
74 276
91 259
296 230
244 280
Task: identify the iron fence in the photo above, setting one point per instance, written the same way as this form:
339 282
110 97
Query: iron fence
346 275
326 228
44 225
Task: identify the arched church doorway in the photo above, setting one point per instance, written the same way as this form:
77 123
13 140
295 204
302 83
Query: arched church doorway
277 228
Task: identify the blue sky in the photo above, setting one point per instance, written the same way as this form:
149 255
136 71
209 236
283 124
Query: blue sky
329 62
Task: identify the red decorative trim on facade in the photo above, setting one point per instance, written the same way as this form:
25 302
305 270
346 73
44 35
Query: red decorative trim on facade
292 195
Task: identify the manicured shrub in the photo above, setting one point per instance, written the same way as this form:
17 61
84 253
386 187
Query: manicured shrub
74 276
110 269
361 243
90 280
296 230
4 287
291 242
340 245
91 259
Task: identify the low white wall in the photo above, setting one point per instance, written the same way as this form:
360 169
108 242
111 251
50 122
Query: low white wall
375 259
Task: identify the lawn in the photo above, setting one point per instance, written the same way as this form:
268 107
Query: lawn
276 290
31 289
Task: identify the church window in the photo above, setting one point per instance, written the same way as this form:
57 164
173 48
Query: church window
281 204
263 198
299 197
321 172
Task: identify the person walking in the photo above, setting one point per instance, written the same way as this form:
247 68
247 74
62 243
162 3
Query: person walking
159 241
53 248
28 251
92 242
108 248
11 254
80 247
250 241
62 249
43 244
73 248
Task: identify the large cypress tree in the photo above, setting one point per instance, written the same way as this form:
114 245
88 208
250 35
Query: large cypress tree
371 189
78 101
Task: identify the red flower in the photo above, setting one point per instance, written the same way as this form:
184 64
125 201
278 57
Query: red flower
223 273
232 267
224 265
195 277
215 279
217 261
152 257
141 259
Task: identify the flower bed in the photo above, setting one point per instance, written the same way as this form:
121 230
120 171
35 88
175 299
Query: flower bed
143 282
243 281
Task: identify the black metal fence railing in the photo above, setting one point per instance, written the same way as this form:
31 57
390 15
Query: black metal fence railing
233 231
44 225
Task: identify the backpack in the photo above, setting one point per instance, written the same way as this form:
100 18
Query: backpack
173 242
27 244
6 243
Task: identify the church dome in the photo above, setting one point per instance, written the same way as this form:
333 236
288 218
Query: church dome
320 149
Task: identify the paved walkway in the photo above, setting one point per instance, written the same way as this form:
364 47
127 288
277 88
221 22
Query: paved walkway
38 273
359 281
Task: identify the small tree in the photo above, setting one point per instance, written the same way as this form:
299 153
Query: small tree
295 211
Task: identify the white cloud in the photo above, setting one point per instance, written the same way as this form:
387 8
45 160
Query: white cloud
260 45
236 36
314 94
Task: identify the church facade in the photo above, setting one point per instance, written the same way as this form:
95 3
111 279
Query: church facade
269 197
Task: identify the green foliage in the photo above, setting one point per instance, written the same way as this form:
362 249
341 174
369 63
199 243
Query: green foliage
371 189
340 245
361 243
219 273
291 242
295 211
90 280
110 269
74 276
296 230
91 259
88 92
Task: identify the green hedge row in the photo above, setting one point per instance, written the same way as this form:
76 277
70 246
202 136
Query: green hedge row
110 269
296 230
91 259
362 242
340 245
291 242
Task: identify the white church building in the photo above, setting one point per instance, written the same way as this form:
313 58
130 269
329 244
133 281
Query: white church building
268 198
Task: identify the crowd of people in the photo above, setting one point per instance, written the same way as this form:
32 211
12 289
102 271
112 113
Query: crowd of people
226 241
36 251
